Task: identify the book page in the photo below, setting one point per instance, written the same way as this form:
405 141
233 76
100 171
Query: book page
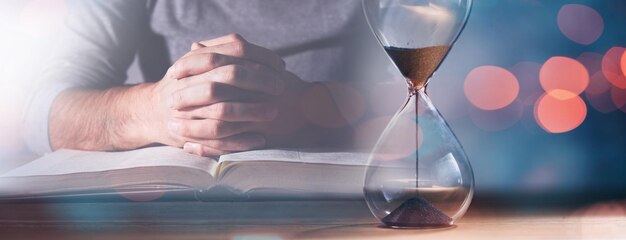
294 174
358 158
63 162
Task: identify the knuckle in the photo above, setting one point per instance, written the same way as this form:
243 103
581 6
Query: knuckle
221 129
212 59
210 90
239 48
176 68
236 37
237 72
218 128
221 110
230 72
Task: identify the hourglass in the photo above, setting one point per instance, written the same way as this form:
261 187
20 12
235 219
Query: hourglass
418 175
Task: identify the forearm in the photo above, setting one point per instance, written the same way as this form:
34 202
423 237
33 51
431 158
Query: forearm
102 120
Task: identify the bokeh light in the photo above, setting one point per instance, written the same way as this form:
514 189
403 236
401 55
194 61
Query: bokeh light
580 23
42 17
598 92
623 63
497 120
491 87
602 102
618 96
564 73
560 111
611 67
598 84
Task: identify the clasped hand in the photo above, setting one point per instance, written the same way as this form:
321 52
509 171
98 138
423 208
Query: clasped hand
219 97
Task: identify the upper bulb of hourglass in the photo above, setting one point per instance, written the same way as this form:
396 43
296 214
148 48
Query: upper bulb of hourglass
418 174
417 34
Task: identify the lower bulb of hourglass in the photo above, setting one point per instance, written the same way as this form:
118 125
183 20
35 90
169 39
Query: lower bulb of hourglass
418 175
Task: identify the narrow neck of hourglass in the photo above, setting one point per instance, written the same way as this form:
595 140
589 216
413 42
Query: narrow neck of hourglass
415 89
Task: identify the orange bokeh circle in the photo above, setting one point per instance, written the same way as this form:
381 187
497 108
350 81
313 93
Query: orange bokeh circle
598 84
623 63
611 67
580 23
602 102
560 111
491 87
564 73
618 96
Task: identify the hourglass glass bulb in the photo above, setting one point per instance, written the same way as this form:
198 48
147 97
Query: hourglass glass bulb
417 65
418 174
417 34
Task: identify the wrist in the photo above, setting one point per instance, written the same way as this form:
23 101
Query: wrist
135 109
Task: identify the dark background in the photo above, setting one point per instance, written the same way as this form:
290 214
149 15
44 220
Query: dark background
524 159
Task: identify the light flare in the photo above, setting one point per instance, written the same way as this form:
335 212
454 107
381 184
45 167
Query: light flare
491 87
560 111
431 11
611 67
40 18
598 84
623 63
580 23
618 96
563 73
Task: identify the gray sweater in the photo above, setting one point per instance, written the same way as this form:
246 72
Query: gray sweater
102 39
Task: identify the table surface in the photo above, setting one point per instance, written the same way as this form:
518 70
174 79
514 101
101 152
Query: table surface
289 220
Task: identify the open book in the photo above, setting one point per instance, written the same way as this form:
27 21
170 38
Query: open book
252 174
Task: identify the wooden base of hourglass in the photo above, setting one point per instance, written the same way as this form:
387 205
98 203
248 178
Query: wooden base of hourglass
417 65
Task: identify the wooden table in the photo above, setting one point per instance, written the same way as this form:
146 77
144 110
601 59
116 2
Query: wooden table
286 220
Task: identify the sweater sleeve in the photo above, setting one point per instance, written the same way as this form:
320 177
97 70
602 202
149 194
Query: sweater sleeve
94 50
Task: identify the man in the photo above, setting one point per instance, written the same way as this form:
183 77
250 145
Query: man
217 92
